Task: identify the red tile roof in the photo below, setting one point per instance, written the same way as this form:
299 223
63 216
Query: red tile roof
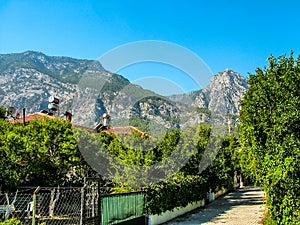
30 117
124 130
114 130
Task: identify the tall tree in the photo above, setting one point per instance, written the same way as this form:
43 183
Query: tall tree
270 134
44 152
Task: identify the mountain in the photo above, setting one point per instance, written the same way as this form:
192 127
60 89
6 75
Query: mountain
219 102
28 79
84 87
223 94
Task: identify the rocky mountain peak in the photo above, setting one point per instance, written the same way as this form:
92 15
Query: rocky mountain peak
228 78
224 92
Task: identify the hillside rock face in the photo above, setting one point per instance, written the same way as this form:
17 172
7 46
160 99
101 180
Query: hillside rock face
224 93
28 79
86 89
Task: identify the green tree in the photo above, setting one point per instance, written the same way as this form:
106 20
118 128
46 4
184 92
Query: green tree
50 150
270 130
10 174
44 152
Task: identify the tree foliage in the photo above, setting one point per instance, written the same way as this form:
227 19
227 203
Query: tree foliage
187 183
44 152
50 152
270 130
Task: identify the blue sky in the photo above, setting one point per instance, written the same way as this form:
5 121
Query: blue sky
225 33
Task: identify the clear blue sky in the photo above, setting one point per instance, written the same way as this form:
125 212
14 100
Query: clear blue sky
225 33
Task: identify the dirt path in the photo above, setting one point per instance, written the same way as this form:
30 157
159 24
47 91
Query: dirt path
242 207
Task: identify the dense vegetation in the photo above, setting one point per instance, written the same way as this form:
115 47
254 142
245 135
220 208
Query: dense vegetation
189 185
176 156
44 152
12 221
165 166
50 152
270 136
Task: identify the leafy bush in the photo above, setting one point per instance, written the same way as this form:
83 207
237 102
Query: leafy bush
220 174
12 221
177 191
187 185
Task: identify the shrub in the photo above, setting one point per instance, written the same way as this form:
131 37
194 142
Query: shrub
12 221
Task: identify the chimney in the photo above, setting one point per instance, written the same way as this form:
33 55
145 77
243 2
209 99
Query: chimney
105 120
24 116
17 116
68 116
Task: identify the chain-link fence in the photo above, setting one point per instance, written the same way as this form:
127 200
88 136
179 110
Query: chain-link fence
88 205
91 212
16 204
48 205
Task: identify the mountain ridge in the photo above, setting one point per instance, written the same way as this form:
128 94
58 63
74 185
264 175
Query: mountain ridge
88 90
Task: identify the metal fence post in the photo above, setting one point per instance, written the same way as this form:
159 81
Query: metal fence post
145 207
82 208
34 204
99 204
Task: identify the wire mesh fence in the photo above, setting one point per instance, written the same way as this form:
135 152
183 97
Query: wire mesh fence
88 205
53 206
15 204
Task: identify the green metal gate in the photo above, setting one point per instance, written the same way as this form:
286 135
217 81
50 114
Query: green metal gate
98 208
126 208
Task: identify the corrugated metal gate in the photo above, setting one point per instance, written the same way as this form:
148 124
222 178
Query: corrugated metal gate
127 208
99 208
